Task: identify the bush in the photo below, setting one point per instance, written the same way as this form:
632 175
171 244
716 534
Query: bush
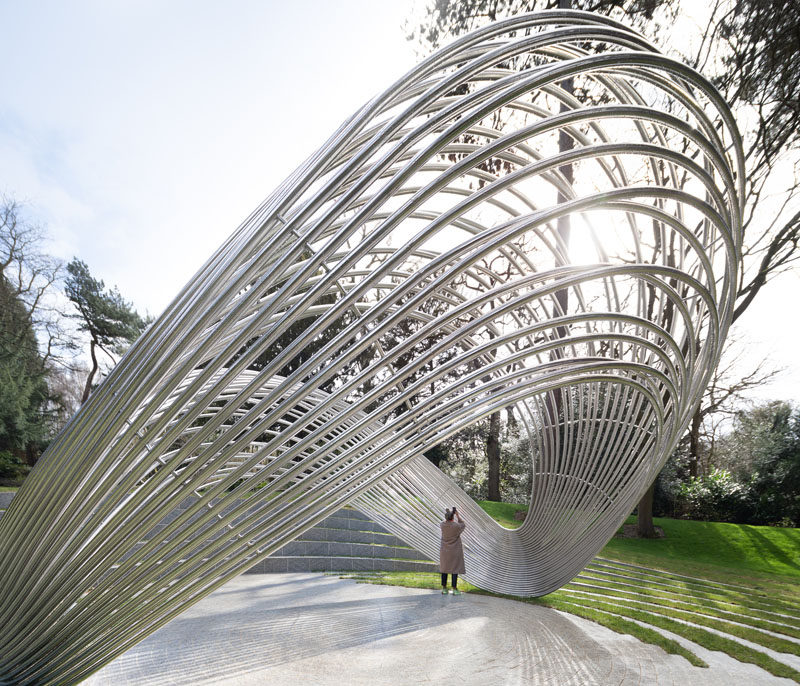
717 497
12 469
763 451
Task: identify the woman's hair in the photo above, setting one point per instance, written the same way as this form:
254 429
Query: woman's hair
448 514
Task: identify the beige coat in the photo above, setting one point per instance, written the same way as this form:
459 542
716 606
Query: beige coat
451 552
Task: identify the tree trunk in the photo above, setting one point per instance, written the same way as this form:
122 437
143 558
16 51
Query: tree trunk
31 455
493 453
694 443
513 425
87 389
644 525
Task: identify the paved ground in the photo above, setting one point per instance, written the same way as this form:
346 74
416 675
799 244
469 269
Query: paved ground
313 629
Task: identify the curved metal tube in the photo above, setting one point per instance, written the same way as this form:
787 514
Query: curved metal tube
411 277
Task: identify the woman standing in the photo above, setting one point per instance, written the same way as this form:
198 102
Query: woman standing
451 552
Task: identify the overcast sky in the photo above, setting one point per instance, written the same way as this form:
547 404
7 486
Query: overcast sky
141 133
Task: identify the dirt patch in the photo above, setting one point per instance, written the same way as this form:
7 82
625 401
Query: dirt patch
520 515
630 531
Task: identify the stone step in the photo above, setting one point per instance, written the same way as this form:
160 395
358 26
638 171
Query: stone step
336 521
343 542
323 533
276 564
339 549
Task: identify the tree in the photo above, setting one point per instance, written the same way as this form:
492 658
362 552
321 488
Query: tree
66 384
109 320
32 338
763 453
446 19
748 49
726 394
23 389
753 64
31 277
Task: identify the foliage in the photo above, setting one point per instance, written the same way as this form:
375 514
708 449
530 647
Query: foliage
445 19
294 331
668 483
33 339
40 377
466 462
437 454
748 48
716 497
516 469
463 457
65 384
763 451
762 41
23 390
754 475
12 469
103 314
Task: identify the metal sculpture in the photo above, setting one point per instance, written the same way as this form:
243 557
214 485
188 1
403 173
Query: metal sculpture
413 276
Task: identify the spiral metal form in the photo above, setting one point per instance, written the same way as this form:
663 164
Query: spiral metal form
412 277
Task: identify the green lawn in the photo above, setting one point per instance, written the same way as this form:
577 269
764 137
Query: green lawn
503 513
729 550
765 559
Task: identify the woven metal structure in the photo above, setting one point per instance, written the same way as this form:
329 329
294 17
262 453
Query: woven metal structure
413 276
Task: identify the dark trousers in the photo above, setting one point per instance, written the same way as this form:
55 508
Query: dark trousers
453 577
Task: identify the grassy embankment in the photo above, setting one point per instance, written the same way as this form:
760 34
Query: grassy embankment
707 582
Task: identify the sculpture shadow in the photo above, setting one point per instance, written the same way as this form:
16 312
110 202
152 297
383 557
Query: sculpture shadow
259 627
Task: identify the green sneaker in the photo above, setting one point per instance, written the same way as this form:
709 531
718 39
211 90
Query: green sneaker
444 591
456 591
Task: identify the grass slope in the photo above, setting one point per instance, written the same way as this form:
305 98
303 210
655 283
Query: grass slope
738 548
503 513
725 551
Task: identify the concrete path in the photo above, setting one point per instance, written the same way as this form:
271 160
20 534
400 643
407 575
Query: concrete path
283 629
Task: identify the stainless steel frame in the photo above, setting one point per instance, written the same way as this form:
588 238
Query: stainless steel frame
410 278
